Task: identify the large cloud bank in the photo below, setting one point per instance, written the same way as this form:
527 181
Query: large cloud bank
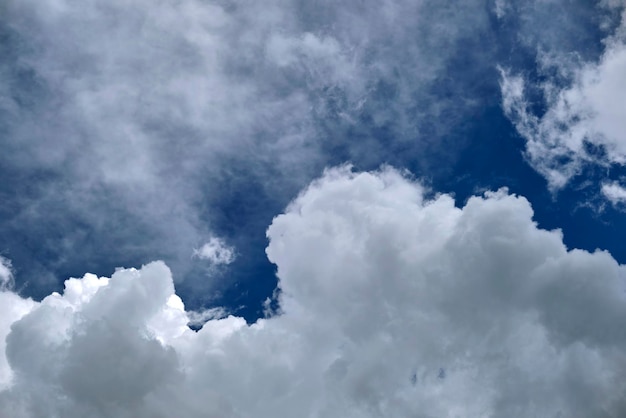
393 304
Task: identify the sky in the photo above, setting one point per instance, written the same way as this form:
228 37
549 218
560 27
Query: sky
230 208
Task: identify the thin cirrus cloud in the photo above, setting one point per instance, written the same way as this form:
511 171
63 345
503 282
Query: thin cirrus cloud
392 304
583 121
126 123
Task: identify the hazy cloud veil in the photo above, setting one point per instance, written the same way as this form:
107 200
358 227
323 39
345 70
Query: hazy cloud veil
131 124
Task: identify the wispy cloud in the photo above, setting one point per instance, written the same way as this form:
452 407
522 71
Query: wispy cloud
124 122
6 275
614 192
216 251
583 122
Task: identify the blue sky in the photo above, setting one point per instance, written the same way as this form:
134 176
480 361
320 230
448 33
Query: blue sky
207 136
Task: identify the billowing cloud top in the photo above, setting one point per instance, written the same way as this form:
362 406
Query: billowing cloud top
392 304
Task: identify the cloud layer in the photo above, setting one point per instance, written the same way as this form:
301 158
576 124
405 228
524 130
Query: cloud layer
392 303
140 126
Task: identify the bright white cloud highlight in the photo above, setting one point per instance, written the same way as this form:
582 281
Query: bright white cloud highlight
585 122
614 192
216 251
392 304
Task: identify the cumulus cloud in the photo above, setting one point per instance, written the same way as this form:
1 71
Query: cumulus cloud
392 304
500 8
583 122
12 308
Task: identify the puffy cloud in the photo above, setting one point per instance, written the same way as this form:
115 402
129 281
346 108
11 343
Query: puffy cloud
614 192
583 122
216 251
392 304
12 308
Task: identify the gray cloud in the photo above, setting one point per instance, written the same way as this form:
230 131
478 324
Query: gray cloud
392 305
134 120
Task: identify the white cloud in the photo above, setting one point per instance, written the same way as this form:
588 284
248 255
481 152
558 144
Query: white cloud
216 251
584 122
392 305
6 275
12 308
614 192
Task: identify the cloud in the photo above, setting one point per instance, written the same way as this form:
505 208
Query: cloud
12 308
216 252
393 304
123 122
6 275
614 192
500 7
199 318
583 122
